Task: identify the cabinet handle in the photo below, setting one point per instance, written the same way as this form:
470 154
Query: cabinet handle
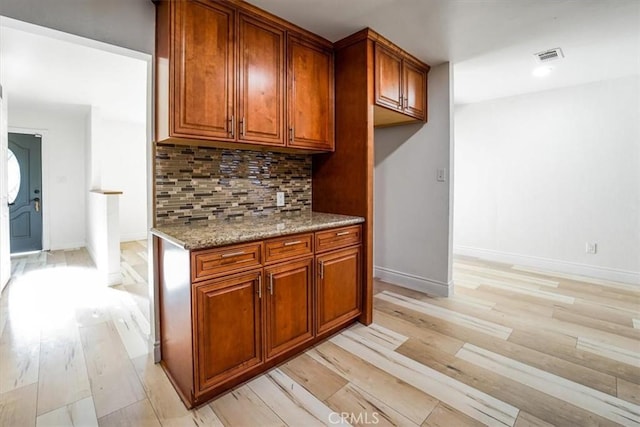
260 286
291 134
343 233
233 125
232 254
242 127
406 102
321 269
295 242
271 283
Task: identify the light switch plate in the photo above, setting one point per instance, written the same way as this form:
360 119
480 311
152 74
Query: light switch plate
280 198
442 175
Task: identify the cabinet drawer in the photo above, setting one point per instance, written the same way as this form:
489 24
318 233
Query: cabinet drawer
288 247
215 262
338 238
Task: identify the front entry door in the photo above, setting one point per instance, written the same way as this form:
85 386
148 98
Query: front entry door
25 196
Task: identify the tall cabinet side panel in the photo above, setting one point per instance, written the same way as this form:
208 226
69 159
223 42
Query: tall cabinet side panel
343 180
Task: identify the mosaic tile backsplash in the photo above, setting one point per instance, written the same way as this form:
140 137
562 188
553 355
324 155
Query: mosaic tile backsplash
199 184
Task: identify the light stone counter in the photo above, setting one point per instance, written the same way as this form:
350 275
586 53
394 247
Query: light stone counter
225 232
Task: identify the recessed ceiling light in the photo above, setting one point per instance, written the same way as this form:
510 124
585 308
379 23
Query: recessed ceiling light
543 71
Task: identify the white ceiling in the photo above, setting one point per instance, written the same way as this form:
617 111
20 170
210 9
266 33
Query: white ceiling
40 66
490 42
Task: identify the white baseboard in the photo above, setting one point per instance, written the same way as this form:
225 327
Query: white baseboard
132 237
568 267
411 281
92 254
114 278
65 246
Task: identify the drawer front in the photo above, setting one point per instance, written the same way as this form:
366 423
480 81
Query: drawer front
338 238
216 262
288 247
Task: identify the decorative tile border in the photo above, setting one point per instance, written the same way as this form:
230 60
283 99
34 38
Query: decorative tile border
199 184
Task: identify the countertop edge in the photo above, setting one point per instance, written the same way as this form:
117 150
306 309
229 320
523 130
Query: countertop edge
214 243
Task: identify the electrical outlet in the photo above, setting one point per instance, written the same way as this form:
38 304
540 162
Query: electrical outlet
592 248
280 198
442 175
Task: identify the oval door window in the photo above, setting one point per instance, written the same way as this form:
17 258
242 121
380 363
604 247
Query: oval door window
13 168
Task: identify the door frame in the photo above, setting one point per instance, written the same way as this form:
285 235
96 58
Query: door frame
44 196
154 318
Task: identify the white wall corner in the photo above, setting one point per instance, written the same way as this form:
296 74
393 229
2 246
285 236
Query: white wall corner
425 285
552 265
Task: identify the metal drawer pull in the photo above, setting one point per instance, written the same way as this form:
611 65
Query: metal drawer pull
343 233
321 270
295 242
260 286
233 125
233 254
271 283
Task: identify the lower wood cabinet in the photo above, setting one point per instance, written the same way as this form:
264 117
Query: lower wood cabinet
228 327
289 313
221 325
338 287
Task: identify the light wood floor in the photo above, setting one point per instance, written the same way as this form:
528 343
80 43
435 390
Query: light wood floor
513 347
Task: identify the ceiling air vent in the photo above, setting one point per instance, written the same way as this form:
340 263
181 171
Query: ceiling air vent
549 55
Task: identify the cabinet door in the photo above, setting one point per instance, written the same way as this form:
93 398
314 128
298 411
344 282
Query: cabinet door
388 78
228 321
310 94
338 287
261 82
415 90
203 70
289 312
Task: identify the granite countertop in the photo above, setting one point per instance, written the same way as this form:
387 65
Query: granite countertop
225 232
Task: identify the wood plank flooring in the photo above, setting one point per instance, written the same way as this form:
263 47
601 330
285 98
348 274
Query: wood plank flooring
514 347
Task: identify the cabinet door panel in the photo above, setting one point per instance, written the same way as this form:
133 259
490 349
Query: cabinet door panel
228 322
415 91
289 311
388 78
310 84
338 287
203 70
261 82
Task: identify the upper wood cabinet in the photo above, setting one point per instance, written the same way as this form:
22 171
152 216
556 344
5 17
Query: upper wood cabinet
414 88
203 70
311 101
261 82
400 86
388 81
227 75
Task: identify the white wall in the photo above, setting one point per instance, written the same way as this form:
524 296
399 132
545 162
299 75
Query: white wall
125 23
119 163
412 211
539 175
63 178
